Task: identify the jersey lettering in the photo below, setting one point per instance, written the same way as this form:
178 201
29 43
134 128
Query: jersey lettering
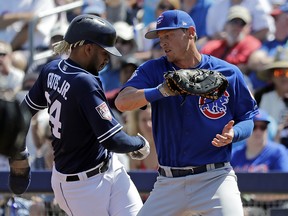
54 113
53 83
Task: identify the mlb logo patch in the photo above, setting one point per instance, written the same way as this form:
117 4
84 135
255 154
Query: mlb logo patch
104 111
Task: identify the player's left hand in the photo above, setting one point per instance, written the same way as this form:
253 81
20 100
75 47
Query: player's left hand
226 137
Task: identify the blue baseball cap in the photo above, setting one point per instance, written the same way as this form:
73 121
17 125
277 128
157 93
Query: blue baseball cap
262 116
171 19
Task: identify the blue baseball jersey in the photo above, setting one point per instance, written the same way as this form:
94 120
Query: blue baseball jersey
273 157
80 117
183 129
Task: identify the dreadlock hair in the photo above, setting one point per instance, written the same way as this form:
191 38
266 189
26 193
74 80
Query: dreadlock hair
63 47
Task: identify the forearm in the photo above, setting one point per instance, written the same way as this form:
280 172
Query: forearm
130 99
7 19
20 38
243 130
123 143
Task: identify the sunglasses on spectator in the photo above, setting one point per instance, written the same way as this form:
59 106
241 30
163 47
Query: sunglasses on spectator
3 54
262 127
280 72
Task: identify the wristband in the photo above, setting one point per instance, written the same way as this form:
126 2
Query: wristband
152 94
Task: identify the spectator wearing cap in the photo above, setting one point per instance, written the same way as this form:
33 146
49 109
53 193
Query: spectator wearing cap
238 43
262 24
259 153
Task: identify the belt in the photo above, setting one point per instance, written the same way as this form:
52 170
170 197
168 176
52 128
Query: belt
189 171
93 172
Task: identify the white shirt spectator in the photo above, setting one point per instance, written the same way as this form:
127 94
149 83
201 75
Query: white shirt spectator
274 105
12 81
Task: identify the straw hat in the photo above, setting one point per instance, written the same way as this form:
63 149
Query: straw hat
280 61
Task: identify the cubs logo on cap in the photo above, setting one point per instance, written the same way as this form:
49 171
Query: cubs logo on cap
171 19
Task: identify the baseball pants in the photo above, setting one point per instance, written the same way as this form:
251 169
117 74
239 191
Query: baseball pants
111 193
212 193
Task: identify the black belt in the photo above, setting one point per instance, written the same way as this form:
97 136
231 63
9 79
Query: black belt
190 171
90 173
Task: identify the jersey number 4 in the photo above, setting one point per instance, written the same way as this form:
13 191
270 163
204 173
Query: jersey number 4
54 113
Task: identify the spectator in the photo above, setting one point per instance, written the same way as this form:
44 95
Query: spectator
10 77
276 73
280 16
262 22
15 18
116 10
127 67
149 7
257 62
126 44
198 10
145 45
259 59
238 44
44 155
57 33
259 153
19 60
95 7
139 121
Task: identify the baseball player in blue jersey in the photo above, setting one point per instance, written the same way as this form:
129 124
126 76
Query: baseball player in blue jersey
193 136
87 178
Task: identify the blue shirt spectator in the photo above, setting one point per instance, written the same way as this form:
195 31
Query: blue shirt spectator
259 153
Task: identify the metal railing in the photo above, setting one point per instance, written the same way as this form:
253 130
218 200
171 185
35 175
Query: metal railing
34 21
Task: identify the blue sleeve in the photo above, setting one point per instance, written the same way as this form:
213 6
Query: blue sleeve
123 143
243 130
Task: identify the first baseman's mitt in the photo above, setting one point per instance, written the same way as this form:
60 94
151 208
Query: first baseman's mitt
202 82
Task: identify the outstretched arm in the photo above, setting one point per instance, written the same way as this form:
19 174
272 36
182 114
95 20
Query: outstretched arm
233 133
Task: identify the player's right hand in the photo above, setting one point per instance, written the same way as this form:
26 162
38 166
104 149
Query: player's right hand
142 153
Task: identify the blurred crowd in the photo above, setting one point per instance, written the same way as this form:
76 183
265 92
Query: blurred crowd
251 34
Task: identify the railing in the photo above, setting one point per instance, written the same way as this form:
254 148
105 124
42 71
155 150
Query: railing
144 180
33 22
263 185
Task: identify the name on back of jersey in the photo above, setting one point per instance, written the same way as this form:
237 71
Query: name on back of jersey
53 82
